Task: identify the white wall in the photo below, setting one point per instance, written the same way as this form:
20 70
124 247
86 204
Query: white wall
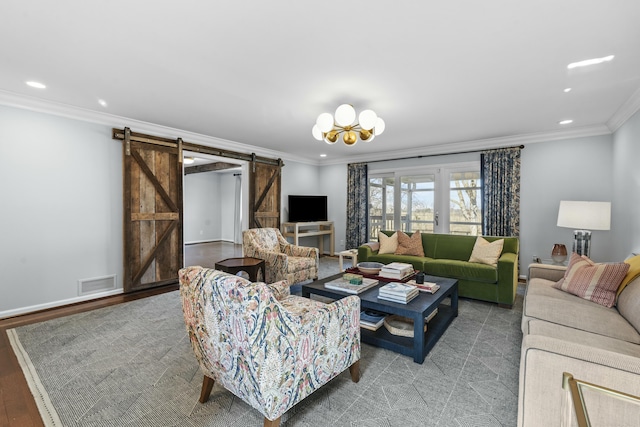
61 216
227 206
626 189
202 213
573 169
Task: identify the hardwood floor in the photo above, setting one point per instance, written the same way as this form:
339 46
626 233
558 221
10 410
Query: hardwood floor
17 407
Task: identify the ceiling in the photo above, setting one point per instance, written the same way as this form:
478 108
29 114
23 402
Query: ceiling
443 75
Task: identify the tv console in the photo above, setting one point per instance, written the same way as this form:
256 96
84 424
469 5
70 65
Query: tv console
306 229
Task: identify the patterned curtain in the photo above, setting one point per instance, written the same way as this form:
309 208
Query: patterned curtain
357 205
501 191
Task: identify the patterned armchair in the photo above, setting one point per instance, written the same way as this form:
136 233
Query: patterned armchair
267 347
283 261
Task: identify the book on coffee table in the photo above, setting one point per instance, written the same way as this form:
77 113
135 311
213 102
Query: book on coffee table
396 270
398 292
429 287
350 288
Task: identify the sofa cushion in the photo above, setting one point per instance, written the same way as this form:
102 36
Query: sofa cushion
388 244
485 252
566 334
594 282
629 303
462 270
546 303
410 245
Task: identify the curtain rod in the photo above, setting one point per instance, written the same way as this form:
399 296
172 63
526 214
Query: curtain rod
442 154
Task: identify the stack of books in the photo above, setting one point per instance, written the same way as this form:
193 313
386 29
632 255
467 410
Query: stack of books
398 292
428 287
396 270
371 320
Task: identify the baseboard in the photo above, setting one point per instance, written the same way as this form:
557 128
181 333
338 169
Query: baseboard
39 307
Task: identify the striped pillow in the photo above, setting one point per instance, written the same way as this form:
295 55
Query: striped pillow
591 281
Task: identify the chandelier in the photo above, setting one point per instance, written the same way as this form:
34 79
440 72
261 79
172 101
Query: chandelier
328 129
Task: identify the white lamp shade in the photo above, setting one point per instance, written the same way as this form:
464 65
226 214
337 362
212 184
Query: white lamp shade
367 119
584 215
325 122
345 115
379 128
316 133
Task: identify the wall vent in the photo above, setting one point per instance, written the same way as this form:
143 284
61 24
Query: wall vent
97 284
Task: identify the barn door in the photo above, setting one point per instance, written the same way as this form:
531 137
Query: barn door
264 195
152 213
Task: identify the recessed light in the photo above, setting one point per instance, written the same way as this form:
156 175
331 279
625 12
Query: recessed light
567 90
189 160
37 85
588 62
102 102
565 122
323 155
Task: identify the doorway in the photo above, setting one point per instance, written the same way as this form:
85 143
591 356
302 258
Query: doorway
214 205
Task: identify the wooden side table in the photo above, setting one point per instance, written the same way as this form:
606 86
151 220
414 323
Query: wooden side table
248 264
350 253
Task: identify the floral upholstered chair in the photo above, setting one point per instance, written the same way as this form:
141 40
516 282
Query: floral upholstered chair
267 347
283 261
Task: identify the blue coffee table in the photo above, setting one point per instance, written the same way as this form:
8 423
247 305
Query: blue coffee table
422 342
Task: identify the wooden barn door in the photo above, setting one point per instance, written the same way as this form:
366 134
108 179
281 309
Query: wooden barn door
153 242
264 195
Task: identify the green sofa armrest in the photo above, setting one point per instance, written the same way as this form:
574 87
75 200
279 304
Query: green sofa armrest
507 278
364 252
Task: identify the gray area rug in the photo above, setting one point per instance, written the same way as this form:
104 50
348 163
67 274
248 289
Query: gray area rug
132 365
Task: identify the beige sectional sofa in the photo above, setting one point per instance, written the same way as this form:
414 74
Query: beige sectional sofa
596 344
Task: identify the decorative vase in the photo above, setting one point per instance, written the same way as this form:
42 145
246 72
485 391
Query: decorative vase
559 253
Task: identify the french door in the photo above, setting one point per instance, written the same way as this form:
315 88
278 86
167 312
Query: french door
444 199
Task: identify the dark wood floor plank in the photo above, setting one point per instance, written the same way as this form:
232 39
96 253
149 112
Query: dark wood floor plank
17 407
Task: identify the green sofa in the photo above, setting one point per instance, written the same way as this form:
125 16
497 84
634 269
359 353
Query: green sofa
447 255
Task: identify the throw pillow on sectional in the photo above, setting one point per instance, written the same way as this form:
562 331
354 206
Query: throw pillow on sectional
409 245
591 281
485 252
388 244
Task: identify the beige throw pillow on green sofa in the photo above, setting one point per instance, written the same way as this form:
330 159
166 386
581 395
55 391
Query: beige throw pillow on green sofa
485 252
409 245
388 244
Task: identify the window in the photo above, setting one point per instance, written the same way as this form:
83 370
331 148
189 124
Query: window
414 200
465 214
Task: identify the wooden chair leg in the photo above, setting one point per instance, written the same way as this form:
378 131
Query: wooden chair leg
354 370
269 423
207 386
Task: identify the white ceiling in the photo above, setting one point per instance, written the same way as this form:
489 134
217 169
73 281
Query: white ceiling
443 75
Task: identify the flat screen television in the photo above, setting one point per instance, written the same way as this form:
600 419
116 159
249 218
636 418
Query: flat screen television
307 208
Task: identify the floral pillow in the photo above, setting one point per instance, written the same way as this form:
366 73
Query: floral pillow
591 281
409 245
388 244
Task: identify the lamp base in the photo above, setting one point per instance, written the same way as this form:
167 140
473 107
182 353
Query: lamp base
581 242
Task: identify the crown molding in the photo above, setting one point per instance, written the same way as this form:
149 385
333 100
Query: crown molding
624 113
76 113
39 105
480 144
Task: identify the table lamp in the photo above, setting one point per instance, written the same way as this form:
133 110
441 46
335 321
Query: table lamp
584 217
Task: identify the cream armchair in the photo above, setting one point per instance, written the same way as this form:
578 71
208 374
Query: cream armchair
269 348
283 261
